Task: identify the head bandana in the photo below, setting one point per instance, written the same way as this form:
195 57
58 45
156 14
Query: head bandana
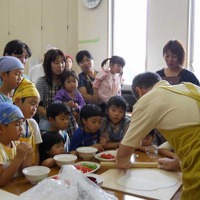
9 113
9 63
25 89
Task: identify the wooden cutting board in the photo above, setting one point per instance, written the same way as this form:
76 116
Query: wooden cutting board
112 176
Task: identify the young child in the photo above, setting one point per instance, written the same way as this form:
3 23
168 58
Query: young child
147 142
48 85
27 98
108 80
58 116
53 144
11 73
88 135
115 123
70 95
14 155
69 62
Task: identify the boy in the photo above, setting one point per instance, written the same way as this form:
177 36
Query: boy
11 73
27 98
88 135
14 155
58 116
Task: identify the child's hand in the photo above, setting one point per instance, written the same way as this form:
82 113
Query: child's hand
23 149
75 106
103 141
70 104
99 147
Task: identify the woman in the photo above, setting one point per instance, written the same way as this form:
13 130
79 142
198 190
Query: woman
174 73
86 78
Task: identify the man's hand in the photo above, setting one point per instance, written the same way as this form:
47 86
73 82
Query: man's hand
169 164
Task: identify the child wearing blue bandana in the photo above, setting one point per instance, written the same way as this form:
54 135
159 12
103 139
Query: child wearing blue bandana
11 74
14 155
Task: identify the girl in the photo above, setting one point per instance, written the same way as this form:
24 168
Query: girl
72 97
109 79
53 144
69 62
115 123
69 93
49 84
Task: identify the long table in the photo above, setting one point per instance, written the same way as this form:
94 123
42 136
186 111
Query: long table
21 184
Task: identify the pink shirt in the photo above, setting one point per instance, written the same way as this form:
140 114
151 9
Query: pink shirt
107 84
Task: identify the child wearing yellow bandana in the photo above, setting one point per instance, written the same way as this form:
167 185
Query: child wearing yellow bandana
27 98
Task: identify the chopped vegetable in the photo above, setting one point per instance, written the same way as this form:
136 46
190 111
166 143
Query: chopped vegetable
107 156
86 167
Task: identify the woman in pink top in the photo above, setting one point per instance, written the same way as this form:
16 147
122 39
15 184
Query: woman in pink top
108 80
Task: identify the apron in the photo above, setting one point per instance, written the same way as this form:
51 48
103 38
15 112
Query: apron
30 138
6 159
186 142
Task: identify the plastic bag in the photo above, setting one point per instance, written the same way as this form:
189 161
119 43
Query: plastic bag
70 185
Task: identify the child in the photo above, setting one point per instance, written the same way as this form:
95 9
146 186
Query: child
58 116
108 80
11 73
14 155
88 135
69 62
115 123
48 85
147 142
53 144
27 98
71 96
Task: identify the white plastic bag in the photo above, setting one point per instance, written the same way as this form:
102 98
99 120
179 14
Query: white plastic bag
70 185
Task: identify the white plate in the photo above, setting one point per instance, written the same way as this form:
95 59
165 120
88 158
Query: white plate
112 152
88 163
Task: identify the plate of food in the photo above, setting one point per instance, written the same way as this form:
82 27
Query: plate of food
106 156
87 167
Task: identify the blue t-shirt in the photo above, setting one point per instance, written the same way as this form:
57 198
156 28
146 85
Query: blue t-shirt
82 138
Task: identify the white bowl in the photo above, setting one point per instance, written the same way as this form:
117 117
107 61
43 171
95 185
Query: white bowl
65 159
36 173
86 153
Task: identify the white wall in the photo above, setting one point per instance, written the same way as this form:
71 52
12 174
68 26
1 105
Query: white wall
166 20
93 31
88 29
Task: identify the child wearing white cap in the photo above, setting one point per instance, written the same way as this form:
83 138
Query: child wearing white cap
14 155
11 74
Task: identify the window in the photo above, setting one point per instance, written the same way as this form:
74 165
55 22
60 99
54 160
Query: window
129 35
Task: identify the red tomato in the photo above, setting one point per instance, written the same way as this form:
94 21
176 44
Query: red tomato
84 169
107 156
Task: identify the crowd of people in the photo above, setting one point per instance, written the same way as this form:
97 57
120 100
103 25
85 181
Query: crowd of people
61 110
